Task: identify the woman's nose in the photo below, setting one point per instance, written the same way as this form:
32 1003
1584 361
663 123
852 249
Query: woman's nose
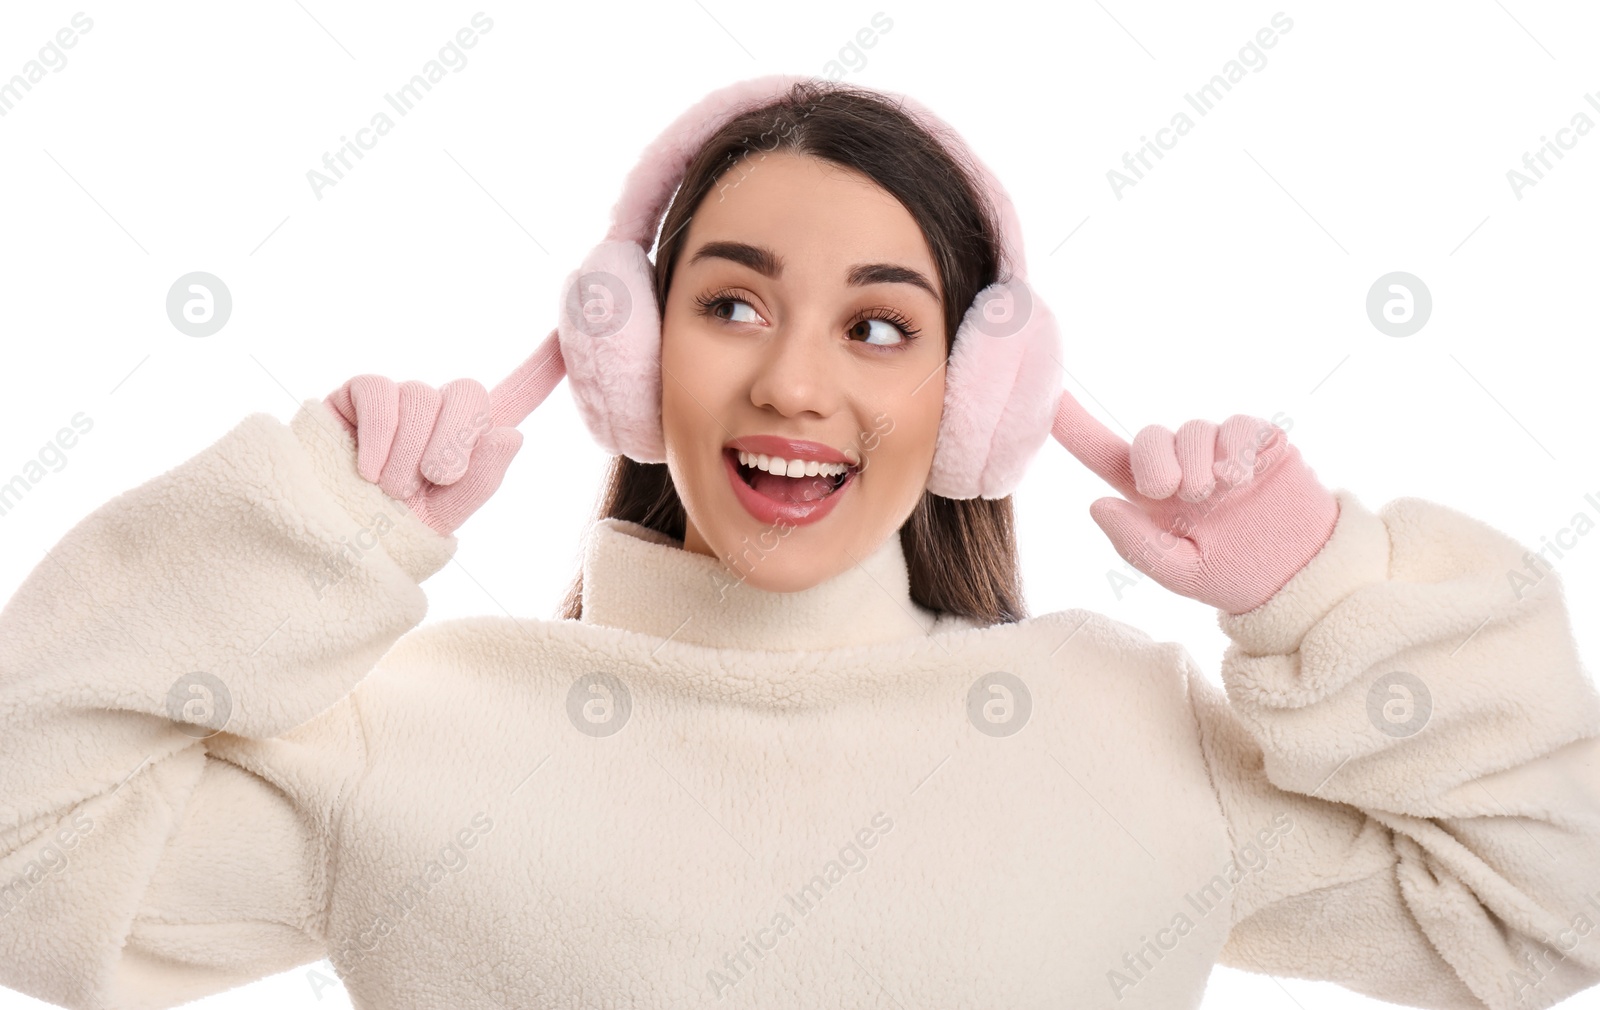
798 370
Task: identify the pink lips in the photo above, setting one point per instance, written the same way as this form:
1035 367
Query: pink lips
769 510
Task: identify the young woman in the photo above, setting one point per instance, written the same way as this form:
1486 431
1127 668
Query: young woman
795 741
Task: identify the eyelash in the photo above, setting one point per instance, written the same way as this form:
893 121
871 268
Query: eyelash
707 303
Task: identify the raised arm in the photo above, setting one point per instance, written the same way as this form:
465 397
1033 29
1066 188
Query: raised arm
176 720
1417 723
1409 765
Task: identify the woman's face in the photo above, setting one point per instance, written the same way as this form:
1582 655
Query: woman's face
804 307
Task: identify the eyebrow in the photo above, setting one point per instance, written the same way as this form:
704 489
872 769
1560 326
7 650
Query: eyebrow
769 264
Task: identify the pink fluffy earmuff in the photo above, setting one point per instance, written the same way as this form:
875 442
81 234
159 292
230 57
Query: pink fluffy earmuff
1003 377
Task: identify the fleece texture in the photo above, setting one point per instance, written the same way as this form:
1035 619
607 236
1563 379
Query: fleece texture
703 794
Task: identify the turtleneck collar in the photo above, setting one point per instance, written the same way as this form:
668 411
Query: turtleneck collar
640 580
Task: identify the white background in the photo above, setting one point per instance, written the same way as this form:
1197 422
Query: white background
1232 279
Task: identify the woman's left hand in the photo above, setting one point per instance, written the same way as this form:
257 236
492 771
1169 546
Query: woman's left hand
1224 514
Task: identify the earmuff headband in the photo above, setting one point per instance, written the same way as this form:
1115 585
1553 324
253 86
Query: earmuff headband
1003 375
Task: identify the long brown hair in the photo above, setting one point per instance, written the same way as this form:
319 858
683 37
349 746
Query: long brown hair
961 554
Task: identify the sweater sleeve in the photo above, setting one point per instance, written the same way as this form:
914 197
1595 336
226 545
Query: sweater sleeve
1409 769
147 858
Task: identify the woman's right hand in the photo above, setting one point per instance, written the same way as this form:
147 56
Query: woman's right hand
436 450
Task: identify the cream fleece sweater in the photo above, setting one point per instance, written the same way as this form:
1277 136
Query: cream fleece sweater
704 794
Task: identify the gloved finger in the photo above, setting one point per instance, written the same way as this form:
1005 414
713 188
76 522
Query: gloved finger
463 419
419 411
376 402
1196 447
485 471
1245 448
339 402
1097 447
1272 445
516 396
1155 461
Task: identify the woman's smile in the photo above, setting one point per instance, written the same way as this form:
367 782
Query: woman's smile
795 482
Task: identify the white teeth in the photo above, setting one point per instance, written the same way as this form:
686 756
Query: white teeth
791 467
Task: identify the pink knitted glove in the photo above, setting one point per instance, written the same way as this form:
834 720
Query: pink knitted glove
1244 511
437 450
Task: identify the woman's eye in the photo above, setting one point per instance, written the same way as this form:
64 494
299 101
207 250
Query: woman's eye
888 333
729 305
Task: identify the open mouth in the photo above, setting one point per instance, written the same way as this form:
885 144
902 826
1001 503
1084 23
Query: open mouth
812 482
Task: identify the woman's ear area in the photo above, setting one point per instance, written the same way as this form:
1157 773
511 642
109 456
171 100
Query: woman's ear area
1002 387
610 334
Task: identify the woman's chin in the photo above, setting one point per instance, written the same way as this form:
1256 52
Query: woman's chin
780 559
